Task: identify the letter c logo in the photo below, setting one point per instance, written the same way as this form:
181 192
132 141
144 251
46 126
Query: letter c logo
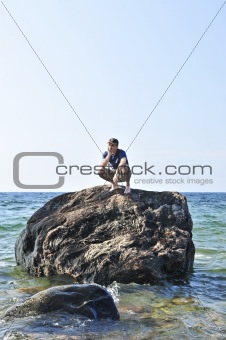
16 173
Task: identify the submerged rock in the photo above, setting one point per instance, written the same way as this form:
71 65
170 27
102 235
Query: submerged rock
89 300
17 336
99 236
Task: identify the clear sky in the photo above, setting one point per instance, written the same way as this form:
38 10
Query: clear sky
113 60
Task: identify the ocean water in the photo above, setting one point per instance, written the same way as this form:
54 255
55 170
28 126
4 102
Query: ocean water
190 308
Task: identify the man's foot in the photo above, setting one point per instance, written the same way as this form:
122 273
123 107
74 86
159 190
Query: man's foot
127 190
114 186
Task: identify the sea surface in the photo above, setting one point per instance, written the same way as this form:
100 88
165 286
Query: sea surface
190 308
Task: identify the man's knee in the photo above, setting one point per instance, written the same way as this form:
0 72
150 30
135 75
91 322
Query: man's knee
124 170
100 172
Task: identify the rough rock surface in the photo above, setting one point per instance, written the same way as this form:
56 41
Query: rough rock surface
89 300
101 236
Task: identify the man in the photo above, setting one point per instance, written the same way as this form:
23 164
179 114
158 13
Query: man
115 166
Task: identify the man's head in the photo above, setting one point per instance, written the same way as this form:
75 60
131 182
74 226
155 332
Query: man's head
113 145
113 141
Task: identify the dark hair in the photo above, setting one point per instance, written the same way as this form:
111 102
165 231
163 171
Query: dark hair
113 140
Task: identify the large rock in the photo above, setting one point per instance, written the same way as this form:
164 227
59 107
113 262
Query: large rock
101 236
89 300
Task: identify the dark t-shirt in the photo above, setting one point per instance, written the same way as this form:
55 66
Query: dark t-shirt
115 159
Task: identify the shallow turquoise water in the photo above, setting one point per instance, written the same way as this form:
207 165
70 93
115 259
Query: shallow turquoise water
191 308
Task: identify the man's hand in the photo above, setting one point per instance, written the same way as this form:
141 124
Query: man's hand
105 161
115 179
109 152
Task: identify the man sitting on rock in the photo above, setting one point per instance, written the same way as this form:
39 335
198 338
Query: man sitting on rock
115 166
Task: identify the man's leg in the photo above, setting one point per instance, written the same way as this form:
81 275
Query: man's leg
107 174
125 174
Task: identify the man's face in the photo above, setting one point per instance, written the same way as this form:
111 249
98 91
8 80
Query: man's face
112 148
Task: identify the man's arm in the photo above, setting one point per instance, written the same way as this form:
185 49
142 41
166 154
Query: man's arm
105 161
122 162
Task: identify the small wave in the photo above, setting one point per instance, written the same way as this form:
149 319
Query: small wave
201 256
113 289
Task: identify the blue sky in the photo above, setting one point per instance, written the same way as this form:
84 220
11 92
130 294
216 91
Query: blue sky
113 60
